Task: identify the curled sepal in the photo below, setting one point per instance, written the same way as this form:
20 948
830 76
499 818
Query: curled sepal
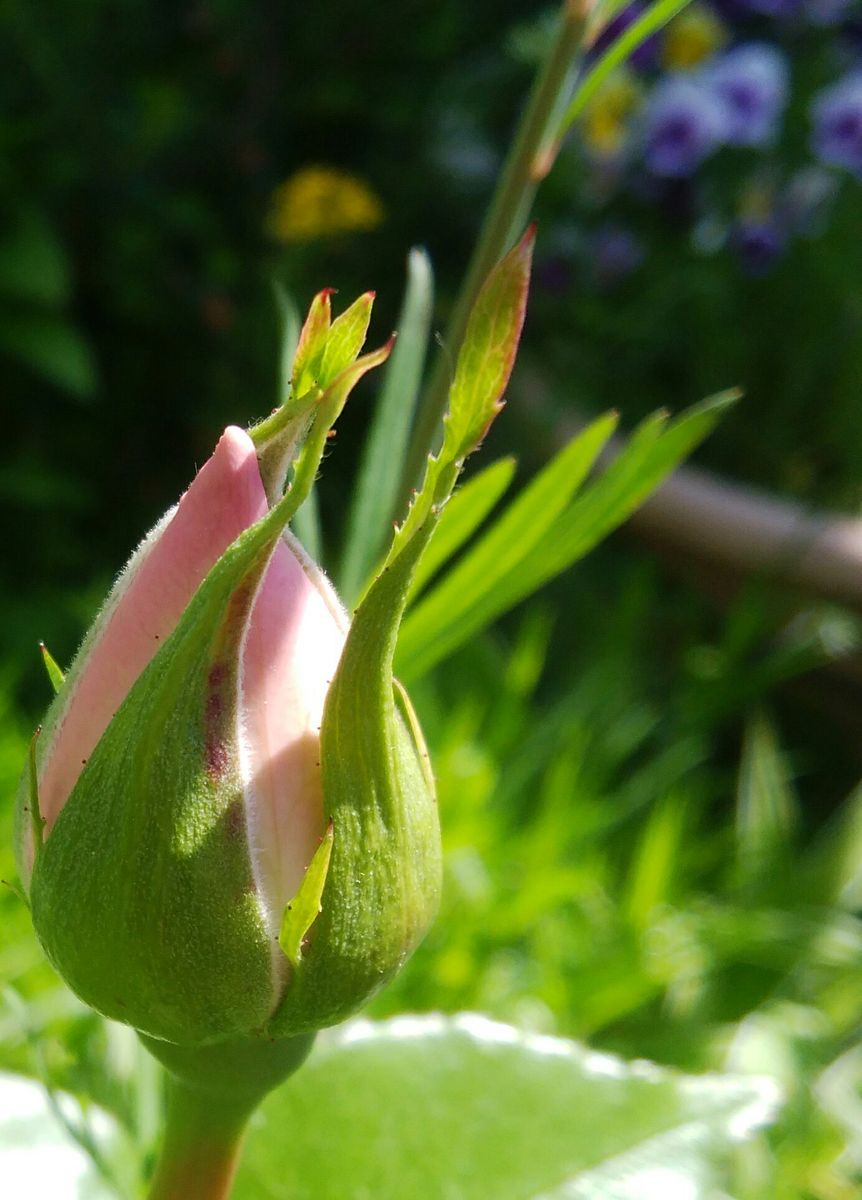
143 895
488 351
481 375
311 344
328 407
324 353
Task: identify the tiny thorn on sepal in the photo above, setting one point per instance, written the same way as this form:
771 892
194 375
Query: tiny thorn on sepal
55 675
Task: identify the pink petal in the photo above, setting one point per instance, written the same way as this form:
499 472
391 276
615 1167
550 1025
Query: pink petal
294 641
225 497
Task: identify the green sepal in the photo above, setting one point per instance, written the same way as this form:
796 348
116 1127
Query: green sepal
312 343
302 911
481 375
488 351
325 369
383 886
345 339
52 719
17 891
55 675
328 407
143 894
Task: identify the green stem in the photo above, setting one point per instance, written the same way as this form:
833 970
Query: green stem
201 1145
525 167
211 1091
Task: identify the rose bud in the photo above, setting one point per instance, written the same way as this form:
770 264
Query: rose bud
227 829
180 788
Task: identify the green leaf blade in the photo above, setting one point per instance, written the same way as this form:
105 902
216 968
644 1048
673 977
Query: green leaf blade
653 453
438 622
499 1114
510 562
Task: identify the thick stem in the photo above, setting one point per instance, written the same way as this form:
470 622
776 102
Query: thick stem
201 1145
525 167
211 1091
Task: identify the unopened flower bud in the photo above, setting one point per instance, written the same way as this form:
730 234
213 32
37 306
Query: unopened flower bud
192 850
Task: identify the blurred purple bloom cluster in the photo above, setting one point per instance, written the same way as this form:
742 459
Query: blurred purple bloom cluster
837 113
736 99
721 77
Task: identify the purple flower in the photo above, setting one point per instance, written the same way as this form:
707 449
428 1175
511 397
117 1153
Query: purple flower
683 125
750 82
758 243
837 116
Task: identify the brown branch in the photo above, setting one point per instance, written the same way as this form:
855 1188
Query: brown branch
751 532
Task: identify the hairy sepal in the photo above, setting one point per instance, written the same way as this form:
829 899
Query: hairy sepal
143 895
383 884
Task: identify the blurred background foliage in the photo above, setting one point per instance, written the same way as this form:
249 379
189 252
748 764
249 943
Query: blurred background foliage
647 782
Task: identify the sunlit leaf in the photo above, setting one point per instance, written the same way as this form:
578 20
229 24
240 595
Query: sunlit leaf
455 602
468 1108
538 537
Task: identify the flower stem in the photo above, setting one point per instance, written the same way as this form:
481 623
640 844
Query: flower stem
211 1091
201 1145
528 162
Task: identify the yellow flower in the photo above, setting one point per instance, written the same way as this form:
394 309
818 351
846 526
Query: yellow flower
606 118
693 36
321 201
